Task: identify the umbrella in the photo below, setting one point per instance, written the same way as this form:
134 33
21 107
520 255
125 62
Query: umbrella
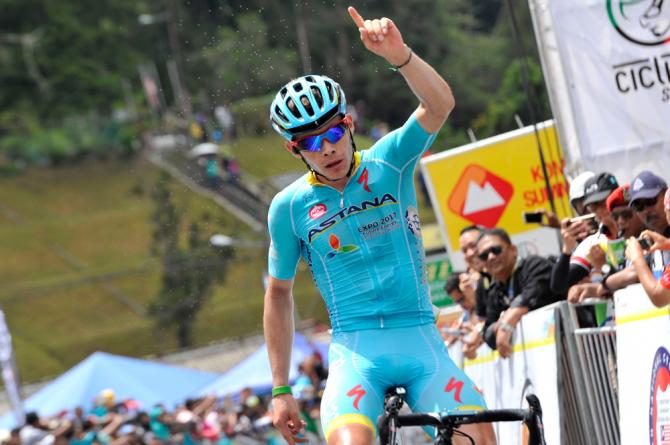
204 149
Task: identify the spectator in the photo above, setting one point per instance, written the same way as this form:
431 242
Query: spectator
591 255
468 320
628 222
658 290
473 283
515 288
576 192
646 200
224 115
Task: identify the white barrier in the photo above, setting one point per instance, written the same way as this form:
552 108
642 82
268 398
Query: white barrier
532 368
643 342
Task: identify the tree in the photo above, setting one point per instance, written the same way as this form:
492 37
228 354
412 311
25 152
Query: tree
189 273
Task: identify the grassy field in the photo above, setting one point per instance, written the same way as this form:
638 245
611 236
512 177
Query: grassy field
77 274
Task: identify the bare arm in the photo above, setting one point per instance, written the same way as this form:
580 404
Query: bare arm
659 295
383 38
278 327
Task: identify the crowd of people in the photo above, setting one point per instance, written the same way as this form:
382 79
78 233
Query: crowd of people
619 238
245 419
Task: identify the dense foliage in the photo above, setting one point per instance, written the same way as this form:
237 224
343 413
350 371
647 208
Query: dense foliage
79 60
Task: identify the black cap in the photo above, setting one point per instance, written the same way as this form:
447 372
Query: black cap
599 188
646 185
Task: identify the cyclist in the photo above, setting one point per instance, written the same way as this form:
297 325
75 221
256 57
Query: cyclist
353 219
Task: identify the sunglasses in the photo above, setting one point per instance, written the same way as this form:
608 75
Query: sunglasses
495 250
640 204
314 142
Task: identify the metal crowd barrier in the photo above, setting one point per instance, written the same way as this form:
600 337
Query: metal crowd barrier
587 378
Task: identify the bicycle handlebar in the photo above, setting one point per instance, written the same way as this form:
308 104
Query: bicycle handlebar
499 415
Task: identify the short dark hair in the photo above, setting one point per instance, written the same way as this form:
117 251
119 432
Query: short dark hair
496 231
453 282
470 228
32 418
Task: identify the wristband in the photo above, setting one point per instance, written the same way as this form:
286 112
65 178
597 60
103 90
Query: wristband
397 67
506 326
279 390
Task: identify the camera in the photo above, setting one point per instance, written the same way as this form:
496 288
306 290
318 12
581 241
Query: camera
532 217
644 243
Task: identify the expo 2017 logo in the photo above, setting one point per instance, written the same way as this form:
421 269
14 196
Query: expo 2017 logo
659 398
645 22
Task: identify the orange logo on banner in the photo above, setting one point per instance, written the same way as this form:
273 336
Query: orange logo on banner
480 196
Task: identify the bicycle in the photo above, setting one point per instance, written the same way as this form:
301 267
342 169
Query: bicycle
447 424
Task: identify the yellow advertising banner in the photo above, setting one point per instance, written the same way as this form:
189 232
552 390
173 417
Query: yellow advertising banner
492 183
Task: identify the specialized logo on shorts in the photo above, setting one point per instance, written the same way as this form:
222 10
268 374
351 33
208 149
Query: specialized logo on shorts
456 386
317 211
334 242
659 398
480 196
644 22
386 199
363 179
358 392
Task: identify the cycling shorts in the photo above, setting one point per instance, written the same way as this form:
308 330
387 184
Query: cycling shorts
364 364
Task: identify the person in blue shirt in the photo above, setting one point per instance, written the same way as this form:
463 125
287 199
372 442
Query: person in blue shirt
353 218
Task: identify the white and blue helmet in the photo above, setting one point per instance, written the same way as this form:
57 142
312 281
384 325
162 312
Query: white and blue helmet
306 103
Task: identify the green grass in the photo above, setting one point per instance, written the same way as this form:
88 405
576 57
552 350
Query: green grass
73 238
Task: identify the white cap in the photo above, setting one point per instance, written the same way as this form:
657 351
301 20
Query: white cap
578 183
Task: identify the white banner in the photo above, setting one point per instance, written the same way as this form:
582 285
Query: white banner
532 368
9 372
643 362
615 57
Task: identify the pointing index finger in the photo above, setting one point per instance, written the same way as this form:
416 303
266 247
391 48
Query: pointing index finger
356 17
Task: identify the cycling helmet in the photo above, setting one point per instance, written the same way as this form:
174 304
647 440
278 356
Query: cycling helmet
306 103
577 189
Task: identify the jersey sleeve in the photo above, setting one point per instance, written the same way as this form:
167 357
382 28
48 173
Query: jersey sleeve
404 144
665 278
284 252
581 254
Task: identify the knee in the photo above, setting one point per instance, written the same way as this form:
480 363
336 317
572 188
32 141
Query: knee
351 434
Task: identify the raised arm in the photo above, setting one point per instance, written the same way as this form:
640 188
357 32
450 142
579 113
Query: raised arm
278 327
383 38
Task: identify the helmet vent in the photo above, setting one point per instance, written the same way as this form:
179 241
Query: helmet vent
308 105
280 113
292 108
331 94
297 87
317 96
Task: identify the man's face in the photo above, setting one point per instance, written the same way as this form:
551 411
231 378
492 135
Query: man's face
468 244
334 159
627 221
499 257
459 298
599 208
652 212
579 206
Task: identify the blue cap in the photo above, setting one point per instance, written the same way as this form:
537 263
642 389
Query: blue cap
646 185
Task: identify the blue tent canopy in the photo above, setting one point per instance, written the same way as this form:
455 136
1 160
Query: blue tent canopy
254 371
145 381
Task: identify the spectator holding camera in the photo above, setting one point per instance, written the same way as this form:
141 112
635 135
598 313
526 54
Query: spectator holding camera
657 288
515 289
646 199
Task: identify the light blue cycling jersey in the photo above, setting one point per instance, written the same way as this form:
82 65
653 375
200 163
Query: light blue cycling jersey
363 245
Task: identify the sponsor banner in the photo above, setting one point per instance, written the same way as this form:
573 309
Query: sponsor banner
643 362
492 182
532 368
615 56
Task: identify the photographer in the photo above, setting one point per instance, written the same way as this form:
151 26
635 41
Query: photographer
658 289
